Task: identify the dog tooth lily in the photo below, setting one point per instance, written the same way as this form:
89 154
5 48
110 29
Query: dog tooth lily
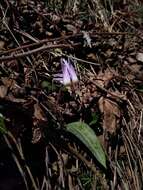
68 75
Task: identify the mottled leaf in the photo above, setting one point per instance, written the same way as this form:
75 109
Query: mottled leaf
85 134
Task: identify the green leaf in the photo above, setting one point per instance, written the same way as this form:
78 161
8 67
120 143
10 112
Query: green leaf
48 85
95 118
2 124
140 88
85 134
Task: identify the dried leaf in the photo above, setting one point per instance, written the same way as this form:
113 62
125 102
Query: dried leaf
38 113
104 78
111 114
109 52
22 2
92 56
9 83
37 135
135 68
2 44
71 28
131 60
139 57
3 91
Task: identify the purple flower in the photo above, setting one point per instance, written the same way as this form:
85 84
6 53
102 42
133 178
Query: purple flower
68 75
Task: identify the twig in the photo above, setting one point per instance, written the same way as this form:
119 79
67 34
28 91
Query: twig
88 164
40 42
123 98
141 125
61 166
20 151
75 58
16 161
25 34
81 60
59 39
24 54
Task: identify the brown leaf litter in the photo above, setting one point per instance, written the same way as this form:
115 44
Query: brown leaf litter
111 114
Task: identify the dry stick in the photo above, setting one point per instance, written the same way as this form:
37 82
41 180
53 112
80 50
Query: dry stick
75 58
108 92
45 47
97 6
141 125
37 43
19 149
48 20
12 34
47 110
25 34
60 160
45 184
16 161
59 39
88 164
128 148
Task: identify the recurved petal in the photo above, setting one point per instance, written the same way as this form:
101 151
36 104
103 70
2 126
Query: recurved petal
70 69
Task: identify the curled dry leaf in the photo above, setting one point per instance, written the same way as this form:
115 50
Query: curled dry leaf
92 56
8 82
3 91
104 78
37 118
71 28
38 113
111 114
37 135
135 72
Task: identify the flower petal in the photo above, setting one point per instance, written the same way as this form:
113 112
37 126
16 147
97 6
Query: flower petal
66 74
73 74
58 75
71 70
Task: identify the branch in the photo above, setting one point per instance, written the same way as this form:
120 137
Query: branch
44 47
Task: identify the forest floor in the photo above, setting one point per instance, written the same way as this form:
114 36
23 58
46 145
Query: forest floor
71 95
